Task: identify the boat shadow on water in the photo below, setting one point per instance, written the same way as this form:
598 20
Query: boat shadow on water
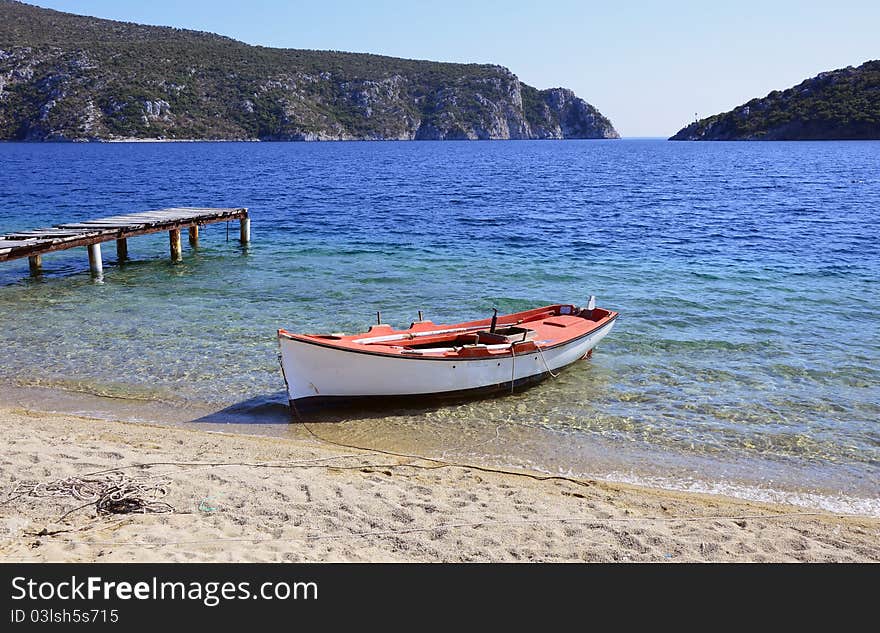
274 409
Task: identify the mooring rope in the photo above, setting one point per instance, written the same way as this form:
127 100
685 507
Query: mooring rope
512 365
114 493
549 371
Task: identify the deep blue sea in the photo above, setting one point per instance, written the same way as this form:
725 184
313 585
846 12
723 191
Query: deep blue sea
745 360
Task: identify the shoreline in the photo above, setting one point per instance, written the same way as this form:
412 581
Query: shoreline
643 466
260 498
100 141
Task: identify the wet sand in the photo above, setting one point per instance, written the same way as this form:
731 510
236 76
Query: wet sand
251 498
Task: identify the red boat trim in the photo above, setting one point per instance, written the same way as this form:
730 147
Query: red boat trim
299 339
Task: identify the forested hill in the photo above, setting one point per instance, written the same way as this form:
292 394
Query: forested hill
70 77
840 104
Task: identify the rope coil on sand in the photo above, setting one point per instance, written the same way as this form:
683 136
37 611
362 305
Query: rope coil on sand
112 493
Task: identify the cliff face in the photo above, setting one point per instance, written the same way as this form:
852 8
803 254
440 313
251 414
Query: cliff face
838 105
68 77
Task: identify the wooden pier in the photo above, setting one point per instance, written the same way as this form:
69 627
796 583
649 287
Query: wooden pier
35 243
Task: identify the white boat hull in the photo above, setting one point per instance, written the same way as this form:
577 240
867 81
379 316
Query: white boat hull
315 372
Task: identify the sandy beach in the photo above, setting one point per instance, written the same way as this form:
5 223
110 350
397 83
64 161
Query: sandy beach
245 498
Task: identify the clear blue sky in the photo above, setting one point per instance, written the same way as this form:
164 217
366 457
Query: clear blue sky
648 66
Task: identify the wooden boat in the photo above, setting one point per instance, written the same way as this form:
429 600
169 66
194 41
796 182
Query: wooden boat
499 354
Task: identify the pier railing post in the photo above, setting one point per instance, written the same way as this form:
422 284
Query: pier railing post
194 235
35 263
245 229
121 250
96 264
174 237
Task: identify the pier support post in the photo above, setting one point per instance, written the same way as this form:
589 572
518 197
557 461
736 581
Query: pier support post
245 229
174 237
96 264
194 235
121 250
35 263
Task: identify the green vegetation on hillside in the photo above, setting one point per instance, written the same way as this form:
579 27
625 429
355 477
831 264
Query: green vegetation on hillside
841 104
69 77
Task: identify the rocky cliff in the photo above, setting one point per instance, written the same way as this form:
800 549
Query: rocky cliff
837 105
69 77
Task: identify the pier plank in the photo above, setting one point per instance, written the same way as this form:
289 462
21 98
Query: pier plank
98 225
47 233
16 243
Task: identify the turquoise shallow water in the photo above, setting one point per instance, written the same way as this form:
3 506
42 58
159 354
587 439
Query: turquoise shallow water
745 360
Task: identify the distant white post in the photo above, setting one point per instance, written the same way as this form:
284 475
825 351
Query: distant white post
245 229
96 264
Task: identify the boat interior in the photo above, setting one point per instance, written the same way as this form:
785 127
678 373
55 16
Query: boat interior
522 330
419 337
501 336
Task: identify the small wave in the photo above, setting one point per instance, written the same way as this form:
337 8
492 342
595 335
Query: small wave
838 504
